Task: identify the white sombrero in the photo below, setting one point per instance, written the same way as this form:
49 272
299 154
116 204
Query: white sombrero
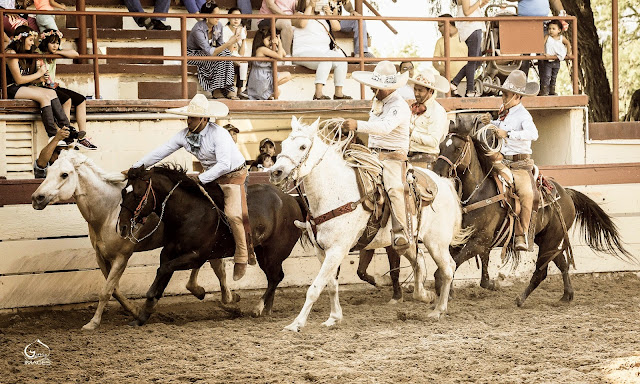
384 76
199 106
517 83
431 80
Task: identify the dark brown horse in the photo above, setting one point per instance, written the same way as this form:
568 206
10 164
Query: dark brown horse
196 231
463 156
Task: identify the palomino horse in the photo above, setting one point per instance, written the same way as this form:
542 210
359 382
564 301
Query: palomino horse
195 229
463 155
330 183
97 195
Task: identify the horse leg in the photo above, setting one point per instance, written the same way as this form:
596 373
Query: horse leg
273 270
394 273
419 272
446 267
485 281
192 285
329 269
336 310
563 266
228 296
538 276
115 272
366 255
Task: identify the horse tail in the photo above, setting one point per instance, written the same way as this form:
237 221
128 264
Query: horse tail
460 235
597 227
305 240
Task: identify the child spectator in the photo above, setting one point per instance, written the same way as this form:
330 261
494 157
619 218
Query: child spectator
205 39
233 131
24 74
282 7
47 21
238 49
262 163
269 147
50 41
260 84
554 44
457 48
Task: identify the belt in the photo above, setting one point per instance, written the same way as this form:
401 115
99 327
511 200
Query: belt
237 169
523 156
382 150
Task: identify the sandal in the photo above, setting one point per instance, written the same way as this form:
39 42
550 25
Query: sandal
343 97
217 94
323 97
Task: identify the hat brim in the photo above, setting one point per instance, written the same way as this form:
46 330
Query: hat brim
441 84
216 109
531 89
364 77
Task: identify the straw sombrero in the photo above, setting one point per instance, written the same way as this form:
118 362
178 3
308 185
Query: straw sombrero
384 76
199 106
431 80
517 83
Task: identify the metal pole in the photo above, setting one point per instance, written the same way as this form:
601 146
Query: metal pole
574 37
447 52
96 70
361 51
614 53
276 91
183 53
3 70
81 22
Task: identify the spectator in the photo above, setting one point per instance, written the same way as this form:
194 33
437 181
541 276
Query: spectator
538 8
246 9
407 90
161 6
260 84
22 76
429 123
269 147
206 39
238 49
471 33
193 6
233 131
554 44
50 43
47 21
281 7
50 153
352 26
313 38
13 21
457 48
262 163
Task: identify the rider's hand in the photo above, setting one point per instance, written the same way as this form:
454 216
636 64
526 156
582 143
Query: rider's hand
501 133
486 118
350 124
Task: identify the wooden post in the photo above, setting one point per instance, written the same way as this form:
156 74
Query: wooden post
96 66
447 51
183 53
614 58
81 22
358 6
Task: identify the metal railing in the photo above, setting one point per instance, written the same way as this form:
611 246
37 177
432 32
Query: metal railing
361 60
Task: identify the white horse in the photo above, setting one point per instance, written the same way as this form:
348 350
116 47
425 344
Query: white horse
329 183
98 197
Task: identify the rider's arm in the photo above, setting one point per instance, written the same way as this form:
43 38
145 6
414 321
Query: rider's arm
391 120
528 132
175 143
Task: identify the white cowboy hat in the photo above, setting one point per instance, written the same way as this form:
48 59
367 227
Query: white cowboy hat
431 80
517 83
199 106
384 76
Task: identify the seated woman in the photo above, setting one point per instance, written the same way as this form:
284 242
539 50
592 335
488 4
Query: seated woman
313 38
260 83
233 27
50 41
13 21
262 163
24 74
205 39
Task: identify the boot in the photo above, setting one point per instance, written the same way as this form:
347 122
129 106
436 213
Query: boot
49 121
552 90
544 91
521 243
239 270
58 113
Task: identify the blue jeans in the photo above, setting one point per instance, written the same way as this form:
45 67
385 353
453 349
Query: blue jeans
161 6
548 72
474 42
193 6
352 26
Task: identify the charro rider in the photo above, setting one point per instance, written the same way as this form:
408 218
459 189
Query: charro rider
429 122
222 161
388 129
516 127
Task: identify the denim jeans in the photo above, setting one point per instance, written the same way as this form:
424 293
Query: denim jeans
548 72
474 42
161 6
352 26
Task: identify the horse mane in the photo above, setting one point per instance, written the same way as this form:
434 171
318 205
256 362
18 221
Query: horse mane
177 173
76 158
481 154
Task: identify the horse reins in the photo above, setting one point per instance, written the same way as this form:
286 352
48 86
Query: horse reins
133 222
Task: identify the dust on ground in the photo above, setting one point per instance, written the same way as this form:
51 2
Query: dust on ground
484 338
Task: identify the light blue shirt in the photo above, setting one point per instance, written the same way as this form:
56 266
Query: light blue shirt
218 153
533 8
522 131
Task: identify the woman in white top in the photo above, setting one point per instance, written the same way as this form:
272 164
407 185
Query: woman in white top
471 33
237 49
312 38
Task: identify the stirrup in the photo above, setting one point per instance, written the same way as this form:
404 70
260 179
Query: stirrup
400 243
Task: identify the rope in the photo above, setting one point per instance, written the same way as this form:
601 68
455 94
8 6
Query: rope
481 136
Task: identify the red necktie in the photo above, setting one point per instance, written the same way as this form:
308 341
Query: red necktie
418 108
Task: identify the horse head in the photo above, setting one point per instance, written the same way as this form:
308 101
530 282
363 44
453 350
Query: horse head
294 162
455 155
138 200
61 181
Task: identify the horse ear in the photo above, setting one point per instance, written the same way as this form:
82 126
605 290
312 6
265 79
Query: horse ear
126 174
316 124
294 123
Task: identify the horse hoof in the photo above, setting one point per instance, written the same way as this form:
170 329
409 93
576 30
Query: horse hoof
492 285
567 298
331 322
236 297
199 293
519 301
428 297
395 301
435 315
293 327
90 326
136 323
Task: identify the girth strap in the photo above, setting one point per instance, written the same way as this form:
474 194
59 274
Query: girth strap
484 203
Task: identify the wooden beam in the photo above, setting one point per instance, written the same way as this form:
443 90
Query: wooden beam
626 130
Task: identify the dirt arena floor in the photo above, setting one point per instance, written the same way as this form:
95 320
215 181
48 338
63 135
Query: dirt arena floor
485 338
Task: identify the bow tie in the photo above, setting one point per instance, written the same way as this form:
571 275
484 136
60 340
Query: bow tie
502 113
194 141
418 108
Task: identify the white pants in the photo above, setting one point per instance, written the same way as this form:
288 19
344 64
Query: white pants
323 68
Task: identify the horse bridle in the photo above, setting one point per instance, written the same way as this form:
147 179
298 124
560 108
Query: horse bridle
141 204
293 174
463 160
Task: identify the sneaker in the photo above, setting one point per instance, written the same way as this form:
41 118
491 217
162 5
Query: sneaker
369 54
158 25
243 95
145 23
86 144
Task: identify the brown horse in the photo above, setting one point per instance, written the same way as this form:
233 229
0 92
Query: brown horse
462 155
195 229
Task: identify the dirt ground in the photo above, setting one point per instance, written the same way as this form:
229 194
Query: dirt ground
485 338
